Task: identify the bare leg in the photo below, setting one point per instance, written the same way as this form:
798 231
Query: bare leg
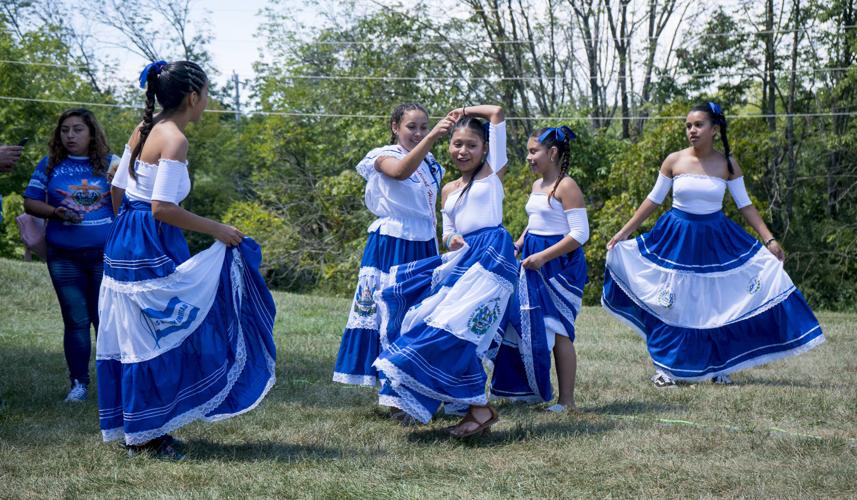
566 370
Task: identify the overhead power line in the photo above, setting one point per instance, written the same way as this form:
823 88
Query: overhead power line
386 117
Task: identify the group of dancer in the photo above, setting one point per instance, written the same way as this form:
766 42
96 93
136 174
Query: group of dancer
184 338
428 328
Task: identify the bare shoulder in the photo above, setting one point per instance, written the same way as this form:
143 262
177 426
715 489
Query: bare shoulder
174 146
570 193
670 162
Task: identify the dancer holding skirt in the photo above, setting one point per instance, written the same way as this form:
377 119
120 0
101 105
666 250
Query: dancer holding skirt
449 309
708 298
180 338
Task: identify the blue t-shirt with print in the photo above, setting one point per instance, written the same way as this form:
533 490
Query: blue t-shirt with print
72 185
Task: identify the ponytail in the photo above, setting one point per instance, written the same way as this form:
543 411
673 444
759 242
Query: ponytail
151 84
560 138
169 83
726 150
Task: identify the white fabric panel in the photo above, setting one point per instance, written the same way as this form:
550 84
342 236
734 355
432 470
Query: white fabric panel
476 289
406 208
497 158
545 219
698 194
172 182
120 178
578 224
191 289
697 300
481 207
661 189
739 192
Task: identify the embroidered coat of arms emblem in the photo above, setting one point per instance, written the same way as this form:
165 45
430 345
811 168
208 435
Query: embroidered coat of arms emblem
484 317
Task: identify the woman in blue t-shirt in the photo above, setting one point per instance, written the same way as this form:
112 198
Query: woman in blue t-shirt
70 188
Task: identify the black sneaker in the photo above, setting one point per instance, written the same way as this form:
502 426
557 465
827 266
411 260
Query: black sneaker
722 380
662 380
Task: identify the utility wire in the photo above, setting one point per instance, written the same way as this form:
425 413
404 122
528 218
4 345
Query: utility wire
386 117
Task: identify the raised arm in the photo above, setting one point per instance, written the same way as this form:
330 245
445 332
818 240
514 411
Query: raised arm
490 112
404 168
650 204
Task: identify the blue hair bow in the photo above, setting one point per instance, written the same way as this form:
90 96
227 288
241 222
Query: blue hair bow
157 65
561 133
715 108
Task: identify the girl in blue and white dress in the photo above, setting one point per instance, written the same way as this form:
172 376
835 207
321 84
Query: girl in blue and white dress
402 186
550 283
449 309
708 298
180 338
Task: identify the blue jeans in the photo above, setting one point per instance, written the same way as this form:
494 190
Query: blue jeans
76 276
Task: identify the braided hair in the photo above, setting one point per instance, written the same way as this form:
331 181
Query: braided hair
97 149
481 129
399 113
718 118
560 138
170 83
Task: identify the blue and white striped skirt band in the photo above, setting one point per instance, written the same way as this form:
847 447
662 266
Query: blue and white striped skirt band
449 312
545 304
361 341
707 297
195 343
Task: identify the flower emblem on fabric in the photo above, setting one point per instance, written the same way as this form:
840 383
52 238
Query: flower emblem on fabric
665 297
754 285
364 301
484 317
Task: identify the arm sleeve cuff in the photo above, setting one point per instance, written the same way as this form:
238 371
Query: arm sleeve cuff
120 178
661 189
739 192
497 158
578 224
168 180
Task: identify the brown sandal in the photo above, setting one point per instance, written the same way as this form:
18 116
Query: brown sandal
482 427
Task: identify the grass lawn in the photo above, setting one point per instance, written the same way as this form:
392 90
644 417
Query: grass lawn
788 429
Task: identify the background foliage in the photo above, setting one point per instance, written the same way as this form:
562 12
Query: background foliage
284 173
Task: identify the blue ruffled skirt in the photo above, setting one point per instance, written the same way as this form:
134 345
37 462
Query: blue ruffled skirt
449 311
361 340
179 340
546 303
707 297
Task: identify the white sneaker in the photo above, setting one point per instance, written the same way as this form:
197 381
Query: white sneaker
722 380
662 380
78 393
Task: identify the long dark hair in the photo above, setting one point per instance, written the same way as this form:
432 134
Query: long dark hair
718 118
170 83
97 150
481 129
398 113
560 138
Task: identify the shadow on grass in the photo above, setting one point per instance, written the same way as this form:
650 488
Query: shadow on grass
519 431
749 380
203 450
631 408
